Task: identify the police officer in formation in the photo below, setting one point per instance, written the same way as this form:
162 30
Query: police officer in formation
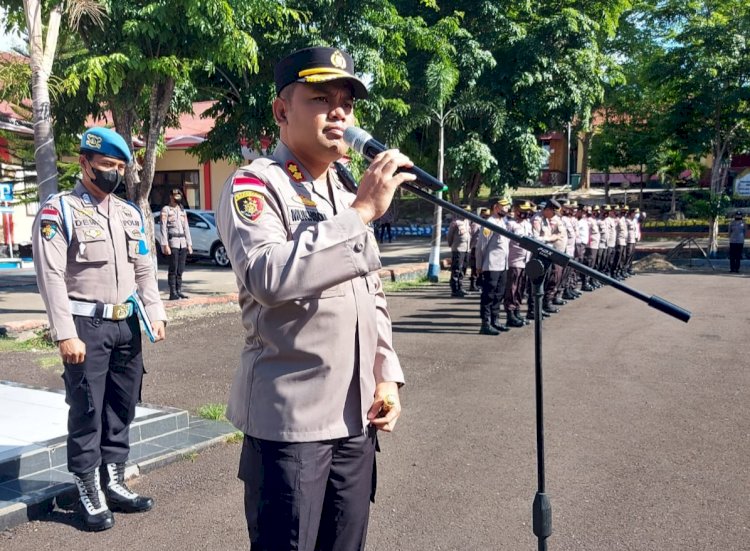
96 275
318 376
459 240
176 242
581 232
737 232
475 283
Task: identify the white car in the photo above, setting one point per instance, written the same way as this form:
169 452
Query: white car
206 242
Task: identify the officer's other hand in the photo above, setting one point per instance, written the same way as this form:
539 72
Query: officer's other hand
379 183
190 250
73 351
386 407
166 250
159 329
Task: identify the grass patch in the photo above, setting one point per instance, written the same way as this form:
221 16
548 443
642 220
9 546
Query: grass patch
40 342
213 412
190 456
51 363
398 286
235 438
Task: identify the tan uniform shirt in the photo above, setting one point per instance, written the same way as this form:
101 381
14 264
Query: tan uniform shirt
175 230
459 235
594 234
603 232
611 224
102 262
549 231
318 330
632 230
492 248
621 231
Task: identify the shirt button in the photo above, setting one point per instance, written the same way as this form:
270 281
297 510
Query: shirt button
358 247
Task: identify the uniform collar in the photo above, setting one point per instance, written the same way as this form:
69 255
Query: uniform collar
293 168
87 198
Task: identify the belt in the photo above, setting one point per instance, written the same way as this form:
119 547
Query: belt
171 235
114 312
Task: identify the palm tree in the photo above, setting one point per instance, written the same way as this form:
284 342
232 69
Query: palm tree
41 56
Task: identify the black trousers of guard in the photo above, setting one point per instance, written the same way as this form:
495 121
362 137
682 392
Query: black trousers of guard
515 288
589 259
552 281
629 256
176 266
493 292
473 280
458 268
308 496
102 392
735 256
601 259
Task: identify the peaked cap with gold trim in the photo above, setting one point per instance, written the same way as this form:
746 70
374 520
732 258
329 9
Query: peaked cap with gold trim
319 64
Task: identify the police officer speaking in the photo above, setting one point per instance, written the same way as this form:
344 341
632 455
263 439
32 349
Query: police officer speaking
176 242
318 374
96 277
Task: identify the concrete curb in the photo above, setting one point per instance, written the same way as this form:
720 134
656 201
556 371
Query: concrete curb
402 272
19 513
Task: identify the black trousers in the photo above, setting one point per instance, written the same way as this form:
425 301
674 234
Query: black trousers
458 268
473 266
493 293
384 228
176 266
629 256
589 259
102 392
735 256
308 496
515 288
601 259
552 282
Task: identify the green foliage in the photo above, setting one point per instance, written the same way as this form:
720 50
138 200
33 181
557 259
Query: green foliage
706 204
213 412
39 343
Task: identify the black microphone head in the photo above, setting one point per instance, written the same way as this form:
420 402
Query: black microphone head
356 138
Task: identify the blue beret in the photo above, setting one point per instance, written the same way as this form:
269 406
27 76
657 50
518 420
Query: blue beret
105 141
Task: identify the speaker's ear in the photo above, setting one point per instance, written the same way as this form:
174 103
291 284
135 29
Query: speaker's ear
279 110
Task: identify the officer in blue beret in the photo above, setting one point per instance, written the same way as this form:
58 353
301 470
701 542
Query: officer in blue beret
96 278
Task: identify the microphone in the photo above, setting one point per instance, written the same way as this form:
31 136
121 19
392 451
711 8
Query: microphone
363 143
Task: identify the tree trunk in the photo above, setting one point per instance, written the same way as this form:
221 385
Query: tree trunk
41 58
640 194
673 206
719 151
585 169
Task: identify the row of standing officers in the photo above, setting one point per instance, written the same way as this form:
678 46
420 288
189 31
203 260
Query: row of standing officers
602 238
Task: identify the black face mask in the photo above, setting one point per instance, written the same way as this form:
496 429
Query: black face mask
107 180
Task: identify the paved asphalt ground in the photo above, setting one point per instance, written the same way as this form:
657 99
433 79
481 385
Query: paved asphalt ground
646 424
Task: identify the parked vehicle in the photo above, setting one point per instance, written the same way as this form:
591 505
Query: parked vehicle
205 237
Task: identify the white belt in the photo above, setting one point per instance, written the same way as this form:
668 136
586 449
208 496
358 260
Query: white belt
111 311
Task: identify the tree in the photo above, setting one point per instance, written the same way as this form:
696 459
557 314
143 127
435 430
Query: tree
42 50
705 71
672 162
145 78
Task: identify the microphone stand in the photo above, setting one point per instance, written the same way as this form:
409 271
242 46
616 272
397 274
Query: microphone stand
542 255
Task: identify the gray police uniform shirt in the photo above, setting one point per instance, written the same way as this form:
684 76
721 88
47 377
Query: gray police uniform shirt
517 255
737 231
611 224
103 261
318 332
603 232
492 248
459 235
594 234
175 230
621 231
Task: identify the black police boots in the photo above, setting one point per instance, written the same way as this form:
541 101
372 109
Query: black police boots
548 308
487 329
119 496
96 515
172 287
179 288
497 325
512 320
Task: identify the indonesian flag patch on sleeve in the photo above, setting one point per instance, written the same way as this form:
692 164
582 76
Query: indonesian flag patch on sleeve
245 181
50 213
248 204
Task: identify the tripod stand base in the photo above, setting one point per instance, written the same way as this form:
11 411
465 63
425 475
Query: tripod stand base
542 515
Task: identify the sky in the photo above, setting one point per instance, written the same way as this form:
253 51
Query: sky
7 40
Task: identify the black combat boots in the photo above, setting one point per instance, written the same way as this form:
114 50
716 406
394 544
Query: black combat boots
497 325
119 496
512 320
179 288
96 515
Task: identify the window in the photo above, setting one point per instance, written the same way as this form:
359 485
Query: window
188 181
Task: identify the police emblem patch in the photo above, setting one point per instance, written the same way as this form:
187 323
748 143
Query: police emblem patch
48 229
94 141
294 171
337 60
248 204
486 232
92 233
